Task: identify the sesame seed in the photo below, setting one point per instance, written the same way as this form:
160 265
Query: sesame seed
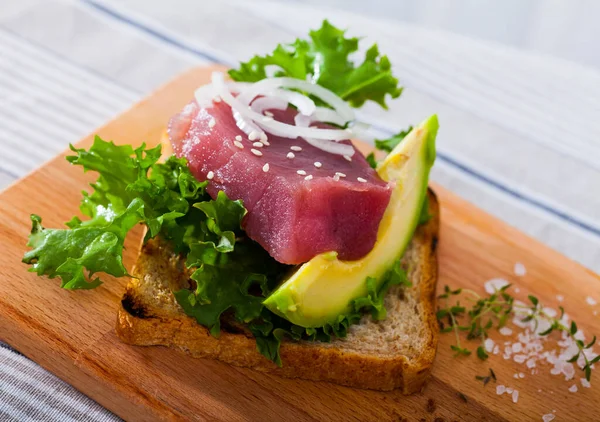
317 164
348 158
217 99
290 155
296 148
265 143
256 152
263 138
238 144
238 138
301 172
267 119
257 144
253 136
268 113
337 173
309 177
266 167
212 123
336 178
361 180
210 175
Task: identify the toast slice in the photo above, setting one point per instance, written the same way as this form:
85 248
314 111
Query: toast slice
397 352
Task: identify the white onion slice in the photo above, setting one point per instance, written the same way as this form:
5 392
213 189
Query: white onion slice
205 94
328 115
304 104
269 103
278 128
245 126
327 146
362 131
270 84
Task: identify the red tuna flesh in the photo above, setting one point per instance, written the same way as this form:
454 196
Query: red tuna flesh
292 218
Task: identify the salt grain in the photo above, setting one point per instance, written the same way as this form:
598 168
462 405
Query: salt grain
548 417
210 175
505 331
519 358
266 167
531 363
521 375
509 390
495 284
517 347
585 383
296 148
211 123
573 388
301 172
238 144
520 269
591 301
560 298
515 396
256 152
496 349
290 155
516 376
489 345
500 389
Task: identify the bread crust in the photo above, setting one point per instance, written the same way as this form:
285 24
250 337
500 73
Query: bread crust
140 325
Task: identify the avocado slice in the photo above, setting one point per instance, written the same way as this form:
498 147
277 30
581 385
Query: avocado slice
323 288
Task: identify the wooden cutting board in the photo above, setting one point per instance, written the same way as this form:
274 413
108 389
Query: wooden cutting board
71 333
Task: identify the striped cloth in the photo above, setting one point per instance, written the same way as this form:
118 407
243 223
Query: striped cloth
519 132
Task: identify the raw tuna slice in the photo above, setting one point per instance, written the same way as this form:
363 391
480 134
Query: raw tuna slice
297 206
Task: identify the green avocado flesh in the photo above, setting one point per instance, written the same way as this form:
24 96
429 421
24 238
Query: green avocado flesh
323 288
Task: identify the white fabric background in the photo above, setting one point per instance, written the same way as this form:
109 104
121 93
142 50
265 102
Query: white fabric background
519 137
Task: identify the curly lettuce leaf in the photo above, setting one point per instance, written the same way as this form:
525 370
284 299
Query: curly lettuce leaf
390 143
325 60
132 188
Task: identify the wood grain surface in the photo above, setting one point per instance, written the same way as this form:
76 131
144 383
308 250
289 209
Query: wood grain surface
72 333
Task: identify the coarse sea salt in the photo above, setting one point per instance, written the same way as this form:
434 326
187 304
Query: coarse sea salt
500 389
505 331
585 383
573 388
560 298
515 396
520 269
591 301
495 284
548 417
489 345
